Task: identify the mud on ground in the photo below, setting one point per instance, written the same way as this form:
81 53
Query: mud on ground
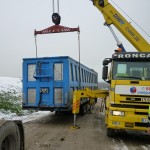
54 132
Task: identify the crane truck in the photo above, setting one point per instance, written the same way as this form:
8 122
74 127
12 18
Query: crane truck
129 96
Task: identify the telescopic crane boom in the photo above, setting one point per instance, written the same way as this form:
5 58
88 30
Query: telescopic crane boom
128 75
112 16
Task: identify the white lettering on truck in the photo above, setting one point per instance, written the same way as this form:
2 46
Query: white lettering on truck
133 55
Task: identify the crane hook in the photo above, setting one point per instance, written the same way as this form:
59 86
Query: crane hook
56 18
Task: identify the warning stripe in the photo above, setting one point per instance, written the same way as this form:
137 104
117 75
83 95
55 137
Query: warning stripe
74 108
76 105
76 102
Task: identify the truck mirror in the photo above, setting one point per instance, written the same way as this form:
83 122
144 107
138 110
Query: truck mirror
105 62
105 72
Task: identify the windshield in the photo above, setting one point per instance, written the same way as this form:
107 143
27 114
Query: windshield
123 70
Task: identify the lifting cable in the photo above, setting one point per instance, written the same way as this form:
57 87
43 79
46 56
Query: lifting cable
35 45
79 60
55 19
56 16
131 19
53 4
58 29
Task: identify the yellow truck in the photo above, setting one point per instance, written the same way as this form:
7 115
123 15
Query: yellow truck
129 96
129 77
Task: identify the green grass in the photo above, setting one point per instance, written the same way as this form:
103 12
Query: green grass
11 102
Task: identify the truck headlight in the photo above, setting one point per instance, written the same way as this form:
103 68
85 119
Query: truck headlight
117 113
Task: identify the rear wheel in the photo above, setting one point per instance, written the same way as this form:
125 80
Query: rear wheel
83 109
9 136
110 132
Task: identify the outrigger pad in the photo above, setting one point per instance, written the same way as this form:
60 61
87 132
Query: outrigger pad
75 127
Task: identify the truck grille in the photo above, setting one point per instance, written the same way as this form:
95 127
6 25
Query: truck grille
135 102
134 99
130 106
139 124
141 113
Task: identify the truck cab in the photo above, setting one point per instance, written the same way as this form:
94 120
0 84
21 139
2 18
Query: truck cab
129 97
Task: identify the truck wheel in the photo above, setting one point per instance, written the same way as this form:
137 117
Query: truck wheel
9 136
83 109
110 132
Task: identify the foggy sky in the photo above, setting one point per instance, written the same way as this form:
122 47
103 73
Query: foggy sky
19 18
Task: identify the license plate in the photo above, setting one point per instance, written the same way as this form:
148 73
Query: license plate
144 120
116 123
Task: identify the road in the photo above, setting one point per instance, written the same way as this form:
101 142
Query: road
54 132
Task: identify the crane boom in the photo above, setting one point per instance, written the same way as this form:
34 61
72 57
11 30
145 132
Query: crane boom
112 16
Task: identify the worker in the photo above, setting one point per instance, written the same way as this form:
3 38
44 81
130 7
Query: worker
148 131
118 50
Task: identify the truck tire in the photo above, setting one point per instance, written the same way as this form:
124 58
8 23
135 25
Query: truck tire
83 109
9 136
111 132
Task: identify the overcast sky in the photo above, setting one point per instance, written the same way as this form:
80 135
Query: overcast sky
19 18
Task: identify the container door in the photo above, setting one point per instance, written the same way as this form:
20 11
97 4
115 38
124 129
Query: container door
44 81
58 84
39 84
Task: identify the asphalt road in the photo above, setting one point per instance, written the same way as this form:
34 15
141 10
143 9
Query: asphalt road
54 132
